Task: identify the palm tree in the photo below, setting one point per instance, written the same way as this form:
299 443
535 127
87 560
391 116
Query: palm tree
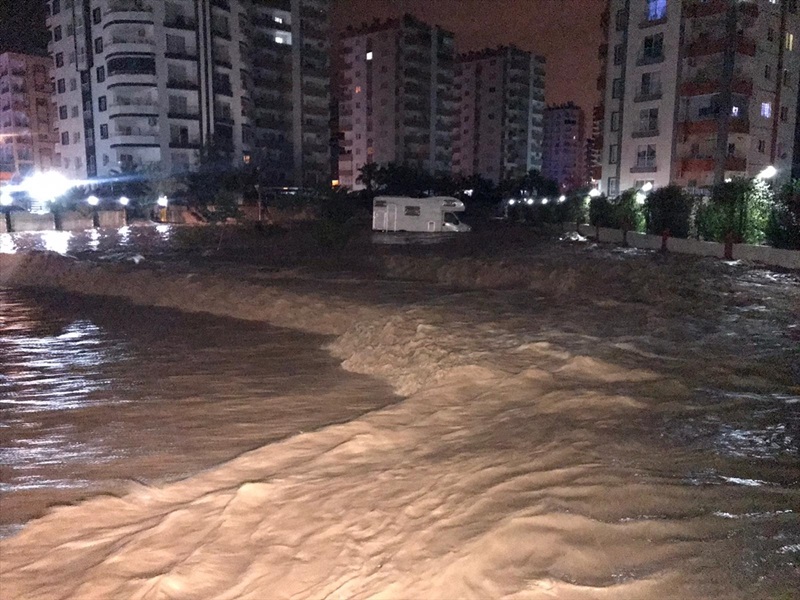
368 176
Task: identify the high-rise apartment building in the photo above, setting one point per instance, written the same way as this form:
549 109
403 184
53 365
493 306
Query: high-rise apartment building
396 97
699 91
140 82
27 139
564 146
501 103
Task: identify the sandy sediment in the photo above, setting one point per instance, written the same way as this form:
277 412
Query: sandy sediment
515 467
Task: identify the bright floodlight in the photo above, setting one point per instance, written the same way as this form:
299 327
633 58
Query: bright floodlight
46 186
562 198
6 199
163 201
93 200
647 186
640 198
768 173
594 193
529 201
124 200
545 200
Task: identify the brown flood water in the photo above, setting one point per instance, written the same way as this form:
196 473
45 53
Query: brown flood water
97 393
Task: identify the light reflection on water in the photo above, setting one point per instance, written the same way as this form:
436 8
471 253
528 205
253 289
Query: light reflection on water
94 393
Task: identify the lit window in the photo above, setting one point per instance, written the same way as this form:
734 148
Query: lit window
789 41
734 111
279 20
369 55
656 9
278 39
766 109
358 89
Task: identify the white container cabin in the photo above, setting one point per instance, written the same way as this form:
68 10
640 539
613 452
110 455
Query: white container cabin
432 215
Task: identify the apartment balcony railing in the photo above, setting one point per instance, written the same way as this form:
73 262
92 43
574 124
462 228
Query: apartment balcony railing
645 167
136 9
181 22
184 142
646 95
701 87
705 47
704 126
644 133
645 23
649 58
188 114
706 164
708 8
181 54
132 106
134 136
182 84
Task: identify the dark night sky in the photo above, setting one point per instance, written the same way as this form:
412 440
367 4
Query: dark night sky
566 32
22 26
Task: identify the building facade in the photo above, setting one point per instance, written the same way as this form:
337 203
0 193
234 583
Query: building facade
698 92
396 97
141 83
499 129
27 139
564 147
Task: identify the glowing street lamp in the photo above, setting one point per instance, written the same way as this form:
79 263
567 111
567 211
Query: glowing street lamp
46 185
647 187
93 200
6 199
529 201
512 202
768 173
124 201
562 198
545 200
594 193
162 201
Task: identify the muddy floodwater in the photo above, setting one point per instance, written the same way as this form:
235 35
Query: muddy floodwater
97 393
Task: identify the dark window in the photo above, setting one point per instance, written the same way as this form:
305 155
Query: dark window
60 59
131 65
412 211
61 86
56 7
85 78
65 138
103 132
101 74
621 20
96 16
98 45
62 112
57 33
101 103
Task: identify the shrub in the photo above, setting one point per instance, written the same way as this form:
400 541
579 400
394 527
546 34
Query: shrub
573 210
628 214
739 208
669 208
783 224
601 212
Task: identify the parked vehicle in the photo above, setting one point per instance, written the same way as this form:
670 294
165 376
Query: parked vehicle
401 213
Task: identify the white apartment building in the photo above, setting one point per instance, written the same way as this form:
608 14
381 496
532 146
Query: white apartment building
146 82
396 97
499 130
698 91
27 141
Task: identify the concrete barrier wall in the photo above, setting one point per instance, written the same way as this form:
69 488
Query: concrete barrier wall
73 221
25 221
789 259
111 218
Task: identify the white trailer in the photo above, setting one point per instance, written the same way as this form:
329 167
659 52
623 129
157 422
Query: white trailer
401 213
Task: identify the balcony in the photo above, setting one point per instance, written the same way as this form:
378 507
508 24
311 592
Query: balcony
134 136
181 22
182 84
646 23
181 55
706 47
184 114
192 143
133 106
143 79
705 126
649 58
701 87
645 133
703 8
706 164
120 45
649 94
132 10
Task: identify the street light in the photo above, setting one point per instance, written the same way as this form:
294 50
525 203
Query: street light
163 201
562 199
768 173
93 200
545 200
594 193
648 186
6 199
124 201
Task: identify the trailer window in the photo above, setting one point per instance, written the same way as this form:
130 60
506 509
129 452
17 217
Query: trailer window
451 218
412 211
380 203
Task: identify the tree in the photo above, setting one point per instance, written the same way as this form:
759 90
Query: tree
367 175
669 209
737 212
783 225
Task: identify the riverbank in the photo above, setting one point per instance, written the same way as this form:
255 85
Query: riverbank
578 425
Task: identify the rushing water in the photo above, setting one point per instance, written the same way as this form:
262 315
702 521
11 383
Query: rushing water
96 393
